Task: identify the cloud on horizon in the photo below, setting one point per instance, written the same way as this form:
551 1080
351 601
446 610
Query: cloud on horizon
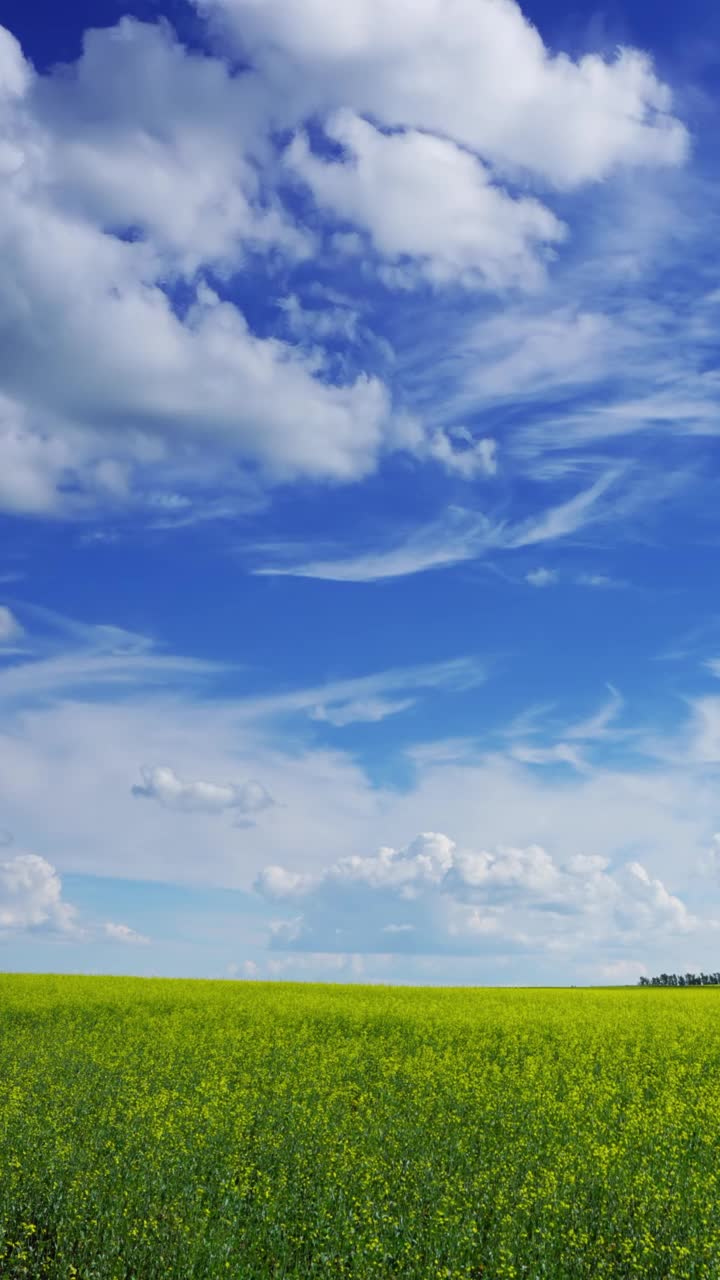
433 896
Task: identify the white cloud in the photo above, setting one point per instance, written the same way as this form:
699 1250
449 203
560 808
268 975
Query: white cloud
362 711
89 821
461 454
10 628
162 784
598 725
175 158
589 825
701 741
124 934
31 900
94 666
34 461
541 577
125 376
366 698
596 728
599 581
31 896
520 353
110 392
560 753
649 905
459 900
105 384
14 71
316 324
459 536
423 198
688 405
276 882
567 517
522 107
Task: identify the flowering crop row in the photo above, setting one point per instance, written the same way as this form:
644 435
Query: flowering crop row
192 1130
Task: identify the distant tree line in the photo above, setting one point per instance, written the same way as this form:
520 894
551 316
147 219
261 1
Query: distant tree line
682 980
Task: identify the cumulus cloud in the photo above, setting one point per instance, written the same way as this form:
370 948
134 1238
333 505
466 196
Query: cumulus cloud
31 897
179 160
278 883
433 895
647 904
522 107
124 374
31 901
108 196
162 784
588 824
425 199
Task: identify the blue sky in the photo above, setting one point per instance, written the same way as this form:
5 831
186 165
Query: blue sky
358 434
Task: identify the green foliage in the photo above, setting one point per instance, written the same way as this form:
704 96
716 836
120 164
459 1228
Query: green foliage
682 980
194 1130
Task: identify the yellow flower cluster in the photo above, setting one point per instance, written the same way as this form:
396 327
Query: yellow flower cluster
171 1130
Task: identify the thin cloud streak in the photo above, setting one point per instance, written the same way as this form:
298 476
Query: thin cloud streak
463 536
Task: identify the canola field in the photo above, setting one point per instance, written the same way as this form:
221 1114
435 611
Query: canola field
182 1130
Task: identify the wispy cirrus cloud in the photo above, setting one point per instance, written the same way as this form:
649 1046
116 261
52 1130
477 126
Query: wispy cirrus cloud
460 536
42 678
598 725
10 628
370 698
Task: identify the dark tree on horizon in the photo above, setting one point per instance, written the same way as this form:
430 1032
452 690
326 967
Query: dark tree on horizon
682 980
